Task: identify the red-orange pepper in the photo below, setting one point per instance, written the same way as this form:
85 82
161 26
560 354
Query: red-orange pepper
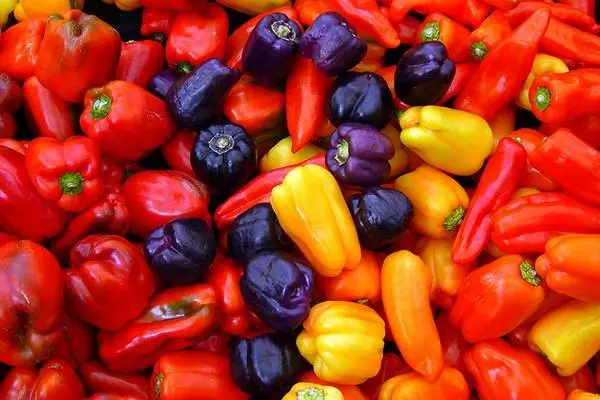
492 31
350 392
585 128
57 380
561 12
140 62
438 27
468 12
309 10
451 385
461 79
174 5
578 394
530 139
408 30
19 48
98 378
587 6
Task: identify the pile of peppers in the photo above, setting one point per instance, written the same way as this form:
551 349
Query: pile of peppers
299 200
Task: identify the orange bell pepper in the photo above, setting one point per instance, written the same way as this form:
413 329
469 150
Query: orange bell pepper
451 385
581 395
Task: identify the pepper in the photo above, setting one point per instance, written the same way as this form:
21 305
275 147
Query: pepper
18 383
439 201
78 52
78 343
467 12
174 313
99 379
492 31
567 42
310 391
157 22
139 62
125 5
116 118
281 155
343 341
568 335
503 372
585 128
399 161
454 141
582 380
532 178
454 36
449 386
57 380
6 8
408 30
483 96
561 12
161 83
406 284
587 6
495 189
20 47
254 7
503 5
8 125
174 5
461 78
26 9
542 65
391 365
334 245
454 346
525 225
309 10
178 150
582 395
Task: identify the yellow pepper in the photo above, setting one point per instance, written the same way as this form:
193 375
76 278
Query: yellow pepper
399 162
125 5
503 124
579 394
311 209
568 336
451 385
343 341
26 9
454 141
6 7
281 155
312 391
253 7
439 201
542 64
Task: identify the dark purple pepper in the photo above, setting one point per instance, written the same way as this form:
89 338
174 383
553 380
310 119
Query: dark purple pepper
161 83
197 97
278 289
424 74
380 216
332 44
181 251
361 97
270 48
358 155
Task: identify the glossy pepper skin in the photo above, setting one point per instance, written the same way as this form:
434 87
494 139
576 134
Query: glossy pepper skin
20 47
335 245
392 365
571 43
177 151
57 380
173 315
78 343
469 12
438 200
454 36
156 22
78 52
18 383
161 83
67 173
562 12
584 128
503 372
343 341
449 386
542 65
492 31
281 155
454 141
190 375
139 62
100 379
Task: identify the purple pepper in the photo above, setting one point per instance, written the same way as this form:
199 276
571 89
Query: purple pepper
270 48
358 155
161 83
332 44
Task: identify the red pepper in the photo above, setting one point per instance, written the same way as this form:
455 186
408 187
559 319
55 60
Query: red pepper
467 12
79 51
116 118
8 125
571 163
13 144
585 128
197 36
217 342
98 378
306 95
309 10
567 42
486 37
193 375
583 379
257 191
113 173
18 383
157 22
6 238
438 27
10 94
525 225
461 79
111 396
78 342
20 47
454 345
140 62
388 73
175 313
496 187
502 4
391 366
561 12
177 151
174 5
484 95
408 30
531 139
155 198
587 6
57 380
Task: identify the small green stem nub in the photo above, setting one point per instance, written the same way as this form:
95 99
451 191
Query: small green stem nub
71 183
184 68
343 153
73 3
311 394
454 219
283 30
158 380
159 37
430 32
479 50
101 107
529 274
543 98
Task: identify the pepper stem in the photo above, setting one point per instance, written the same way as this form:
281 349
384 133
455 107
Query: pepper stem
221 144
73 4
454 219
283 30
479 50
343 153
311 394
184 68
159 37
101 107
543 98
158 380
430 32
71 183
529 274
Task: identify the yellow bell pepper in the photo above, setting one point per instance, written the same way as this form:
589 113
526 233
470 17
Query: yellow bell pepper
253 7
26 9
454 141
542 64
312 391
125 5
568 336
503 124
439 201
579 394
311 209
343 341
281 155
6 7
451 385
399 162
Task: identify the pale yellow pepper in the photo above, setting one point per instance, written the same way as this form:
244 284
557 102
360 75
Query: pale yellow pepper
125 5
542 64
312 391
6 7
399 161
26 9
281 155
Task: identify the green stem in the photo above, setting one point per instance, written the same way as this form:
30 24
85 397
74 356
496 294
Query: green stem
101 107
529 274
158 380
311 394
479 50
543 98
343 153
71 183
159 37
184 68
430 32
454 219
283 30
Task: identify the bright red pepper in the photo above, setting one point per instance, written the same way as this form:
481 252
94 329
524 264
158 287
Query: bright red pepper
463 74
468 12
140 62
567 42
18 383
20 47
111 396
585 128
157 22
173 314
488 35
8 125
78 342
79 52
197 36
561 12
498 82
587 6
13 144
177 151
583 379
531 139
116 118
408 30
11 96
502 4
438 27
57 380
6 238
174 5
98 378
391 366
113 173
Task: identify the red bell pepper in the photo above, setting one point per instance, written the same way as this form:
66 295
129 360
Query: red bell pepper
309 10
78 342
530 139
10 94
492 31
23 211
57 380
116 118
18 383
454 345
408 30
174 5
567 42
177 151
502 4
438 27
98 378
525 225
192 375
48 114
157 22
483 95
496 187
67 173
140 62
6 238
561 12
585 128
20 47
467 12
391 366
461 79
8 125
113 173
79 52
155 198
31 303
583 379
197 36
175 313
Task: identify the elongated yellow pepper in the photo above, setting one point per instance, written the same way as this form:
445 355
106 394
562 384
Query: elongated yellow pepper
454 141
312 391
343 341
26 9
125 5
281 155
6 7
399 161
542 64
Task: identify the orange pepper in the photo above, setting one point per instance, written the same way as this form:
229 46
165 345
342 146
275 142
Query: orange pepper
503 124
451 385
581 395
309 10
350 392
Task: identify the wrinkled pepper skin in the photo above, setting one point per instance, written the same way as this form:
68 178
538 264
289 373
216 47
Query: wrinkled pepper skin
18 383
335 245
308 391
57 380
451 385
31 304
99 379
20 47
78 52
139 62
542 64
454 141
502 372
343 341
